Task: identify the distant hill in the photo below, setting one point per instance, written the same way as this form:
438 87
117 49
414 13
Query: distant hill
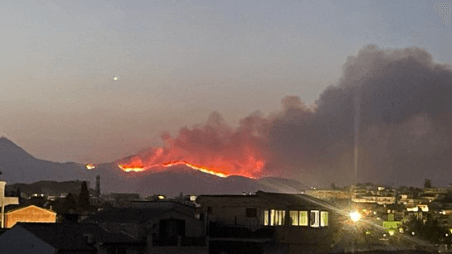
49 188
188 181
18 166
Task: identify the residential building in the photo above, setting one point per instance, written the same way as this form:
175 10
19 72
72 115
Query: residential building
30 213
267 222
328 194
381 200
50 238
162 225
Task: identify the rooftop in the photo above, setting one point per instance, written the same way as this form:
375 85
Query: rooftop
72 236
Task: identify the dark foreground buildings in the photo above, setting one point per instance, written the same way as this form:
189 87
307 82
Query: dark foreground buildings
255 223
267 223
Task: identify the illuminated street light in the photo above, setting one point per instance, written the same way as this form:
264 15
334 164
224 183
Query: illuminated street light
355 216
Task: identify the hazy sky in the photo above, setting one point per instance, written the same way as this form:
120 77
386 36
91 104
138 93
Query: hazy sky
177 61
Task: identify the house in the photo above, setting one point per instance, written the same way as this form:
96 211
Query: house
30 213
328 194
66 238
123 199
267 222
164 226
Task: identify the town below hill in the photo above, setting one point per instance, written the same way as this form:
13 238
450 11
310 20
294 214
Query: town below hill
359 218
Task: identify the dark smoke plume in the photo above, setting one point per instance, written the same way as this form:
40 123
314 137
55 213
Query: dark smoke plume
402 100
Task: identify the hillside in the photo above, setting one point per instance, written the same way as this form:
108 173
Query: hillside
18 166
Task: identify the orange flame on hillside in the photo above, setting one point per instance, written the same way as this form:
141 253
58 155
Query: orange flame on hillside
162 159
213 148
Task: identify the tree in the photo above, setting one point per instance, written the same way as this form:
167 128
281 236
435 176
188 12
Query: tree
19 195
427 183
70 203
83 198
333 186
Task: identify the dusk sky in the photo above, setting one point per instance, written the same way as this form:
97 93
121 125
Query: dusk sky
95 81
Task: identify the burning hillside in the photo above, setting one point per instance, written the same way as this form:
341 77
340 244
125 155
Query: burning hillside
214 148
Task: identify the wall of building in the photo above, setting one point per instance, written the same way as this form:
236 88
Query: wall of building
29 214
236 216
193 227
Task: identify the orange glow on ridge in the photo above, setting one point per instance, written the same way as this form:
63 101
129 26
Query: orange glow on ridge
161 159
90 166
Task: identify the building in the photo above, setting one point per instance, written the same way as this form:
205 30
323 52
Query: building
42 238
328 194
381 200
30 213
122 199
267 222
164 226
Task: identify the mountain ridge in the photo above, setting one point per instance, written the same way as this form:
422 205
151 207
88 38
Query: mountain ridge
18 166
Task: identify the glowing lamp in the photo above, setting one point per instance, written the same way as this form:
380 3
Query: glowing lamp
355 216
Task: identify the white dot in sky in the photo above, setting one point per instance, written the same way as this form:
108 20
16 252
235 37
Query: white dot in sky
115 78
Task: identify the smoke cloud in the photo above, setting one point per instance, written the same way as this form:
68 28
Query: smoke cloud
402 99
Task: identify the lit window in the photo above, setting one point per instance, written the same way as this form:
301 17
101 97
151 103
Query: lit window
272 217
266 218
323 219
294 217
314 219
277 217
303 218
282 217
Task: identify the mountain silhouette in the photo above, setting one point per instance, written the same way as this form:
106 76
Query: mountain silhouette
188 181
18 166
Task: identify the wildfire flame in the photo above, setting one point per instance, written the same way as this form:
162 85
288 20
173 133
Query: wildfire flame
214 148
219 166
90 166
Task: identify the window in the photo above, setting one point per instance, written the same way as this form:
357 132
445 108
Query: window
298 218
314 218
281 217
303 218
251 212
293 218
266 218
209 210
323 219
277 217
272 217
